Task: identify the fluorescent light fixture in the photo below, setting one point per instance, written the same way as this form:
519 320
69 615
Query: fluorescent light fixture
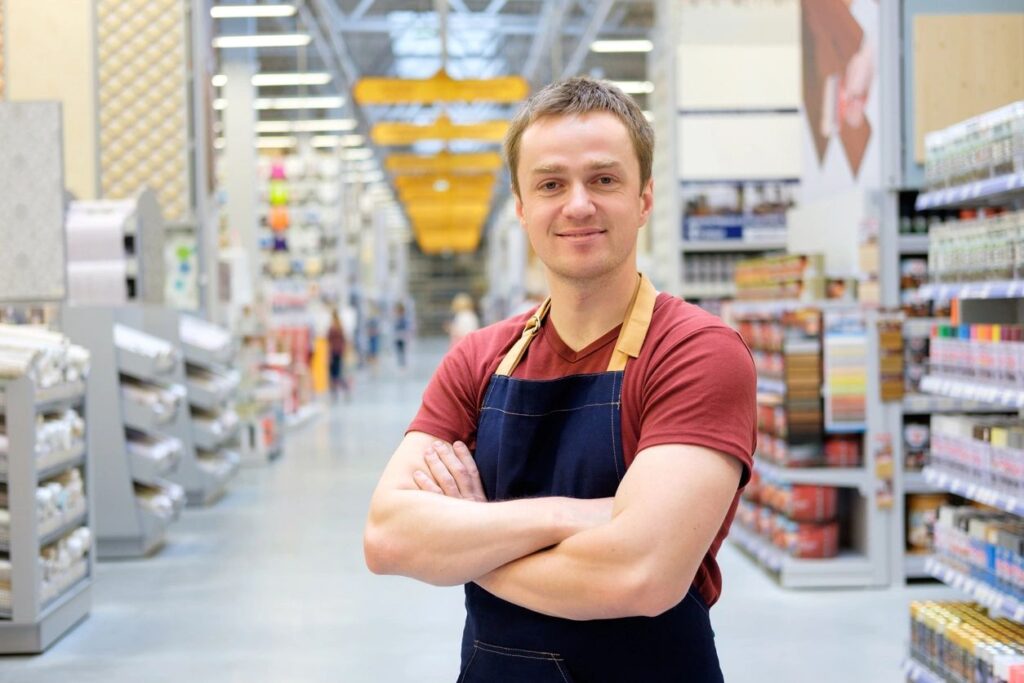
273 126
297 78
324 126
312 126
300 102
220 103
352 140
219 81
325 141
634 87
621 46
358 154
275 142
375 177
247 11
263 40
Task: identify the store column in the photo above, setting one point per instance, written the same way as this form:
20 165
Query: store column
240 163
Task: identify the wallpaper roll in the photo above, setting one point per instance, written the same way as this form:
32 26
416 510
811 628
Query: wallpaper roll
97 283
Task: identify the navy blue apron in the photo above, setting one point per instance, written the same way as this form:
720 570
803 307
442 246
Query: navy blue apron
563 437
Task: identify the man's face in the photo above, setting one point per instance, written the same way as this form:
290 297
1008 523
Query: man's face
580 197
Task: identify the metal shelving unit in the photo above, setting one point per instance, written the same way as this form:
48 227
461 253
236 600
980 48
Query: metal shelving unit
35 620
917 672
842 477
125 527
989 596
212 386
946 481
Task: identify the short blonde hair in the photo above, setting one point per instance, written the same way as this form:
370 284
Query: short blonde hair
575 97
462 302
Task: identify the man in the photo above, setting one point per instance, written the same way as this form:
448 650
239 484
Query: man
579 467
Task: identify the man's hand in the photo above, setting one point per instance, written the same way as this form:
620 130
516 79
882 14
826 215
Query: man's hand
451 471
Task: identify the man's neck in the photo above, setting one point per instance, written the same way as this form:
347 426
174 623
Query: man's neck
584 312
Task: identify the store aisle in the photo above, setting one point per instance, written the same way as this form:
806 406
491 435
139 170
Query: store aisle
269 585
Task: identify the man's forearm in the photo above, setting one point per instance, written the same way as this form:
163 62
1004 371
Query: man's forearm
591 575
448 541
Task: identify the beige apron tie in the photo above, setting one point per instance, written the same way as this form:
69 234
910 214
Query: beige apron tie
631 338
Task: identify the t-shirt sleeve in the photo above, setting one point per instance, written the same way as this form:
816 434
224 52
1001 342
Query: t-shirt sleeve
703 392
449 409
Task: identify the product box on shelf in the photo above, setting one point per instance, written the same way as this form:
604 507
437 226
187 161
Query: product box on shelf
961 641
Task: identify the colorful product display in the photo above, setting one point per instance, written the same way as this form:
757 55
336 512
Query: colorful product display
984 544
985 146
960 641
987 451
922 514
800 277
978 249
986 354
787 353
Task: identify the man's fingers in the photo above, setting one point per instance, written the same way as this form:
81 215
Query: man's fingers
439 471
425 483
472 473
455 467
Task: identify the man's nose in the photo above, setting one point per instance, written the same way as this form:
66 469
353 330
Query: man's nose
579 203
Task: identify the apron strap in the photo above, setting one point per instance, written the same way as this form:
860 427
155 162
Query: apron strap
631 338
515 354
634 327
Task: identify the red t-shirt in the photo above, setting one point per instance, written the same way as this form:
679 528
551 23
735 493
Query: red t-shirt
693 383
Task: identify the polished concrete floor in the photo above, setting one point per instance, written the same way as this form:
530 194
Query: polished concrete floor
269 585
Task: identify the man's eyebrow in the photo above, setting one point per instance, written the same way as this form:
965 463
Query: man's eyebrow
548 168
598 165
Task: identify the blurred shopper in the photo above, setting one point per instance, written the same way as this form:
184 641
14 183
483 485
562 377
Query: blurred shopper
336 343
464 318
403 327
373 331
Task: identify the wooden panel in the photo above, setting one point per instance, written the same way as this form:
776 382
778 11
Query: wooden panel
964 65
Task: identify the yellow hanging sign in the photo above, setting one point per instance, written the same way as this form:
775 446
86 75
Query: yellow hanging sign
445 162
397 133
433 241
453 213
439 88
442 182
453 192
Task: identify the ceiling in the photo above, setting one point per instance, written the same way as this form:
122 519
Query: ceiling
540 40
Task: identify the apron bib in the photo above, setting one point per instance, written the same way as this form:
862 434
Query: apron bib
563 437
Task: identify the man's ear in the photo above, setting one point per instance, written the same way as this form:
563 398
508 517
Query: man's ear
647 200
519 207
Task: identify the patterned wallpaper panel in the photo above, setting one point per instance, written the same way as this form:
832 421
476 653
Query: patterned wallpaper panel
1 49
32 264
143 101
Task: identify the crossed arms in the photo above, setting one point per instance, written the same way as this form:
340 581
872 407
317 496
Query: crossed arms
632 555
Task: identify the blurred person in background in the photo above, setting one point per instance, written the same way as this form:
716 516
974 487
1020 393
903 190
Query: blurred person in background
403 328
464 318
337 343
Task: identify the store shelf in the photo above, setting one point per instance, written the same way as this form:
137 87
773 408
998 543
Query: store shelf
145 367
847 570
985 594
53 529
142 417
917 672
843 477
914 565
980 494
921 327
972 391
925 404
913 245
708 290
53 463
151 536
989 191
731 246
54 397
63 612
766 385
208 358
996 289
210 436
147 469
209 395
915 482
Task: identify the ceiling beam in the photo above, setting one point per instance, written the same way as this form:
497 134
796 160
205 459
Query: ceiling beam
495 7
361 9
597 18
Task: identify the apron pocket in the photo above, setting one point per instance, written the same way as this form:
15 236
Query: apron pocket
497 664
